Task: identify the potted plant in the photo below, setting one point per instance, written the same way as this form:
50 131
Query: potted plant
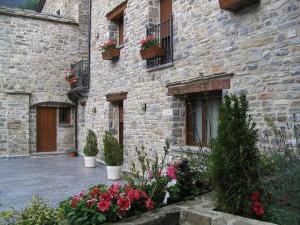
90 149
113 156
235 5
70 78
150 48
72 153
109 50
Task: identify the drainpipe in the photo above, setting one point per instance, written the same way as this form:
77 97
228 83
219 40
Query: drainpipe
89 41
74 98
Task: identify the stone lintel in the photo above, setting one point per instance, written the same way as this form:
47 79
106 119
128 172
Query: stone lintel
38 16
209 83
116 97
117 12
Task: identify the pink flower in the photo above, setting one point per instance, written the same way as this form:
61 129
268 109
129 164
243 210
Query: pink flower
258 209
149 175
171 171
149 204
103 206
106 196
114 189
134 195
123 202
90 203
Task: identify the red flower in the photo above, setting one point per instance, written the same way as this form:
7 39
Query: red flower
106 197
95 192
255 196
114 189
90 203
171 171
143 194
149 204
258 209
103 206
74 201
123 203
134 195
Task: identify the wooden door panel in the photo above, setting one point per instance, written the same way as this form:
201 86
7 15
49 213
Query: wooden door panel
46 129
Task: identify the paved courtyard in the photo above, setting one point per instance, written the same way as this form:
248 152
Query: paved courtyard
54 177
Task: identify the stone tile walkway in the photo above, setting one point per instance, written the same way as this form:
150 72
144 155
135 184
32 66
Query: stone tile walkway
54 178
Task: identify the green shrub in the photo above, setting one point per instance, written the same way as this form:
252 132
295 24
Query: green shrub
91 146
113 151
234 158
37 213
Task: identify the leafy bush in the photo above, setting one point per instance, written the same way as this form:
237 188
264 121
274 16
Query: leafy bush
234 158
113 151
29 4
37 213
91 146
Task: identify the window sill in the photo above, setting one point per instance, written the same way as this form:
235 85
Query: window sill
188 149
62 125
160 67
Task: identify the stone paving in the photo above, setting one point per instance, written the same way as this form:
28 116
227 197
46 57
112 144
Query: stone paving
54 178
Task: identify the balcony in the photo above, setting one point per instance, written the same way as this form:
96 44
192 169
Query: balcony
164 33
82 73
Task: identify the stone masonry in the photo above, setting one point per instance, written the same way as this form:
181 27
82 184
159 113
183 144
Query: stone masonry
35 50
258 45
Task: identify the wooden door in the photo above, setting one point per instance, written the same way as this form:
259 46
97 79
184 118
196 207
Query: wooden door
165 13
46 129
121 124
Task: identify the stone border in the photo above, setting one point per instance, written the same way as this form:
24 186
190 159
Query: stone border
38 16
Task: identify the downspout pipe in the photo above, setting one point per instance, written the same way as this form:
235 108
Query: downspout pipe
89 41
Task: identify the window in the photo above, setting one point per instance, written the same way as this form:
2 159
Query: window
202 118
64 115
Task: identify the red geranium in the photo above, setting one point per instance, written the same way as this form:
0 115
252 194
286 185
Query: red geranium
123 202
258 209
90 203
171 171
103 206
106 196
74 201
114 189
149 204
255 196
134 195
95 192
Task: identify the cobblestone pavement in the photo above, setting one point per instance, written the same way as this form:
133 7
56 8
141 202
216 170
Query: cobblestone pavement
54 178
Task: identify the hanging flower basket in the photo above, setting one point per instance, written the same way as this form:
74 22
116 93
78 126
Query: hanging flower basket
109 50
153 52
111 54
151 49
235 5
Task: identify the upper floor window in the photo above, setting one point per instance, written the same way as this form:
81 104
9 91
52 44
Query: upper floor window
202 114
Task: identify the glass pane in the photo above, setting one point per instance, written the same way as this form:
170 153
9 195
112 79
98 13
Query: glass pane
212 118
197 121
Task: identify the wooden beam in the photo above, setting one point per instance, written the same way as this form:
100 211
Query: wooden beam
117 12
199 86
116 97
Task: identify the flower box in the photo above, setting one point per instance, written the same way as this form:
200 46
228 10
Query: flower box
111 54
72 81
153 52
236 5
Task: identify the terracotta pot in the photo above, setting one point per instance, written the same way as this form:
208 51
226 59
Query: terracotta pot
72 81
111 54
72 154
235 5
153 52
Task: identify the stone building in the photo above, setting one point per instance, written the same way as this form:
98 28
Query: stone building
210 52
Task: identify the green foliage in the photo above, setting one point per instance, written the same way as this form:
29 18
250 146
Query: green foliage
113 151
29 4
234 159
37 213
91 146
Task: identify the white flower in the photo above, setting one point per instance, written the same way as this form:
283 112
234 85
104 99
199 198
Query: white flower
172 183
167 195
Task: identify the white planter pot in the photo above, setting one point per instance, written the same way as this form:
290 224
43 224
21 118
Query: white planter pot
90 161
114 172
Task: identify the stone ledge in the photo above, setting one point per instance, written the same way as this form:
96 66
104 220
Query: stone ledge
160 67
38 16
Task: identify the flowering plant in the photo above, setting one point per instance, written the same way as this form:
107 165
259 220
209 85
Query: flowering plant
69 75
102 203
110 44
148 42
257 207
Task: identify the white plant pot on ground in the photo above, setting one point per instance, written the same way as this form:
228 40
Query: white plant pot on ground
90 161
114 172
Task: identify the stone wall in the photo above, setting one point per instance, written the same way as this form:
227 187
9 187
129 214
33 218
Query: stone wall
35 50
259 45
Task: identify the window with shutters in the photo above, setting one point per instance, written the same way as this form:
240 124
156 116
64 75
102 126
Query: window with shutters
202 114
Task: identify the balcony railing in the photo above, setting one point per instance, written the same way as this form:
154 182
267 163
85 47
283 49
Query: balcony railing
82 73
163 32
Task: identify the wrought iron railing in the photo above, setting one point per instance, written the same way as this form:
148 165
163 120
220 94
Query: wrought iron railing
163 32
82 73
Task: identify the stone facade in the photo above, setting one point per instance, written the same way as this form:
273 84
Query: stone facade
258 45
35 50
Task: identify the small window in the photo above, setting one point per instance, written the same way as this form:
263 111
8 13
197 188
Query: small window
202 118
64 115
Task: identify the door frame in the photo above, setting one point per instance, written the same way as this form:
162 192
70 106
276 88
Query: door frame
37 130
